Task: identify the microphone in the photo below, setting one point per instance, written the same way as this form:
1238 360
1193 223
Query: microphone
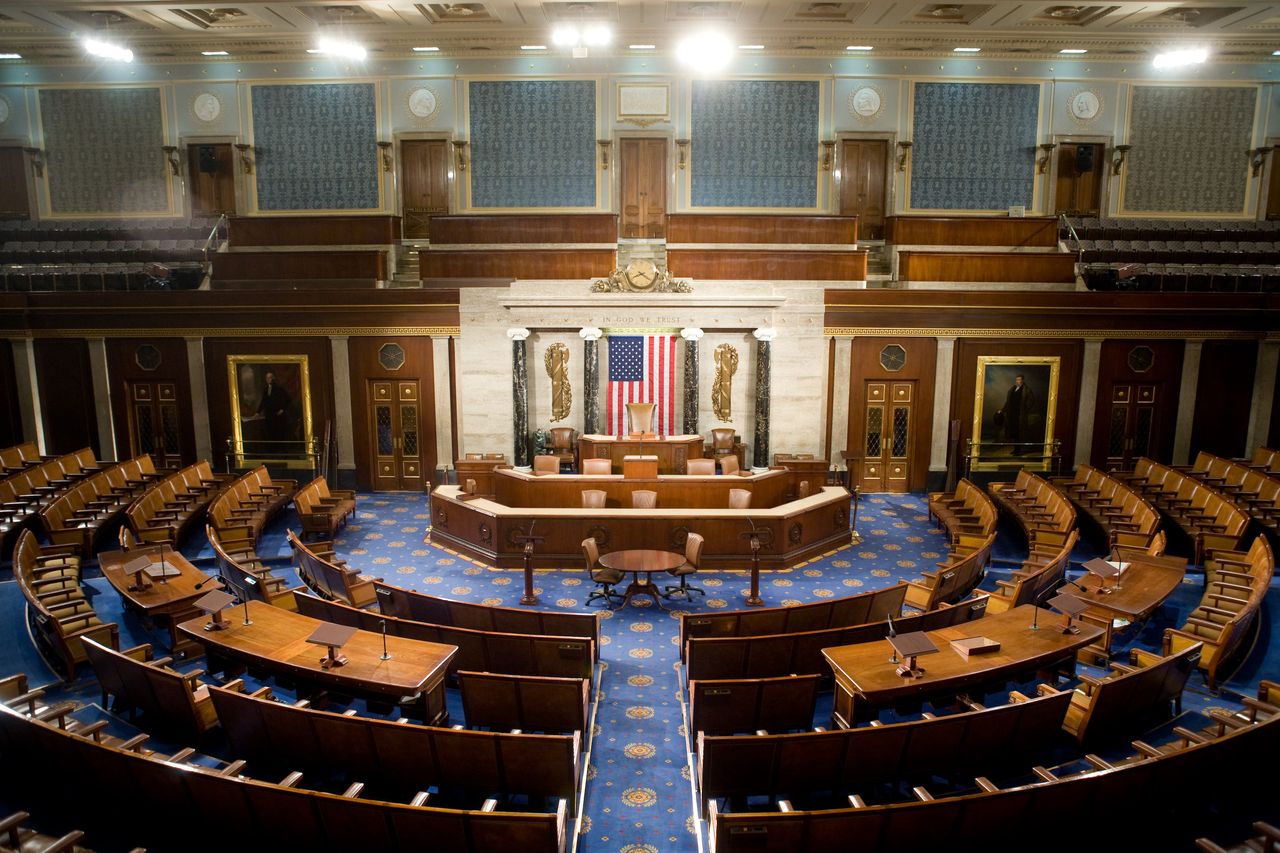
1039 599
892 633
383 624
205 581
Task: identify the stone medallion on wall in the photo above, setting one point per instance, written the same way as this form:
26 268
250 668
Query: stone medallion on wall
424 104
866 103
206 107
1084 106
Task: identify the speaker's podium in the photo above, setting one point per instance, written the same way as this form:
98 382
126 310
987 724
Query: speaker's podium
641 417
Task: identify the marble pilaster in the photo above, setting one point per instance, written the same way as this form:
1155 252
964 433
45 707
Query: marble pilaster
102 397
840 402
1187 401
519 396
944 368
590 379
1088 400
443 382
24 364
1264 390
691 337
760 449
343 432
199 397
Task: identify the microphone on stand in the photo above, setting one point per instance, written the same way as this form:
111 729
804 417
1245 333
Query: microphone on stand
892 633
383 624
1035 614
205 581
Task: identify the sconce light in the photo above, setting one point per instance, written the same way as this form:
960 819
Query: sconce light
385 149
37 161
682 153
904 154
460 152
604 152
246 157
1046 149
171 156
828 148
1259 157
1121 151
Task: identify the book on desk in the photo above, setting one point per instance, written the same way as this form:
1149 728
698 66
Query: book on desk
966 646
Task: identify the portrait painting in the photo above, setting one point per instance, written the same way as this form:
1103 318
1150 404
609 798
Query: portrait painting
1013 414
270 407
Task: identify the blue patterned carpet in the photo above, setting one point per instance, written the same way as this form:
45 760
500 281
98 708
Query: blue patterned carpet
638 795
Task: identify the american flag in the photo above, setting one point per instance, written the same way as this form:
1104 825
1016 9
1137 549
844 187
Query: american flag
642 369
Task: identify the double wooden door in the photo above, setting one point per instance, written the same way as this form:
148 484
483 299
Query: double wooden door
1079 178
424 168
155 426
211 178
643 180
888 423
1133 430
14 203
863 173
396 433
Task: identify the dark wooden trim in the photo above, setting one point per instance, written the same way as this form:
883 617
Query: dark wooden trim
349 230
971 231
831 403
761 228
756 265
1058 267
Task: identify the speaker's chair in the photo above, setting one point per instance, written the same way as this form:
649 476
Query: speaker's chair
641 418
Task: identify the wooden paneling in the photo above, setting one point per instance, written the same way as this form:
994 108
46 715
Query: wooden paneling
534 263
760 228
351 267
10 414
987 266
920 367
964 378
14 203
1079 192
424 170
66 395
514 489
1165 373
355 230
972 231
532 228
1224 396
1273 185
319 367
1273 433
363 353
642 164
212 178
123 369
862 183
742 264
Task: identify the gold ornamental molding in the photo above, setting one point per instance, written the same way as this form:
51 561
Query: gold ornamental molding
1099 334
242 331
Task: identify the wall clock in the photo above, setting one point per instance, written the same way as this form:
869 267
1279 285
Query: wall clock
1141 359
892 358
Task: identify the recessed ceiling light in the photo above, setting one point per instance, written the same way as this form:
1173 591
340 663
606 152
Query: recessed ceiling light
533 47
1073 50
859 47
1180 58
106 50
750 47
314 50
214 53
643 46
1275 53
966 50
10 56
425 49
341 48
705 52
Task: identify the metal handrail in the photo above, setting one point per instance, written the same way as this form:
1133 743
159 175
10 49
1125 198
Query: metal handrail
209 242
1071 231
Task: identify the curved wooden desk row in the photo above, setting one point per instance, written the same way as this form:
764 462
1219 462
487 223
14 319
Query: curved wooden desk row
488 531
675 491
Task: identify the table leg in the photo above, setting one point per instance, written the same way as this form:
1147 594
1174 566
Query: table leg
642 587
754 600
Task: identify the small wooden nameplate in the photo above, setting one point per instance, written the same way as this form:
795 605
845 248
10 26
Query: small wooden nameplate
967 646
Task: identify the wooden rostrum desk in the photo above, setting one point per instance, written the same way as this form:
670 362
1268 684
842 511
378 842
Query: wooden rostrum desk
791 530
276 643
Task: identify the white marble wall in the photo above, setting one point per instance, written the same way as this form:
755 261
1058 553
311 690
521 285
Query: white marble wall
727 311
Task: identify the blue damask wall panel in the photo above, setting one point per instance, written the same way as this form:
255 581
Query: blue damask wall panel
754 143
102 147
316 146
533 143
973 145
1189 149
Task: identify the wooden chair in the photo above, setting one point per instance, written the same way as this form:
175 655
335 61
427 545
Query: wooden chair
597 466
644 499
701 467
322 510
170 701
562 439
729 465
546 464
502 702
739 498
753 705
593 498
692 561
603 578
329 577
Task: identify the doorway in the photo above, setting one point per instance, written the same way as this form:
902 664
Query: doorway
424 166
1079 180
888 424
211 176
14 201
863 172
395 431
643 179
1132 428
154 423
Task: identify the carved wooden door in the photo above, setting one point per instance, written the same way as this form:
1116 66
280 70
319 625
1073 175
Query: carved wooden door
888 422
212 179
643 179
1132 428
154 424
862 184
424 165
396 434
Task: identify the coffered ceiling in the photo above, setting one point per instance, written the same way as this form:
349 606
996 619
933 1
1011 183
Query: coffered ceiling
44 30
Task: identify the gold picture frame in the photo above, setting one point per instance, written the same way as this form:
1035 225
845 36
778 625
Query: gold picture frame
1001 440
259 435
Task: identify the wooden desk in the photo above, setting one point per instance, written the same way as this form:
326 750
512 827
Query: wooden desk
480 470
166 602
866 681
1142 587
277 642
673 451
644 561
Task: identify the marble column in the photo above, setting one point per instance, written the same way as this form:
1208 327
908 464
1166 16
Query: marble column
760 447
1088 400
24 368
519 396
1264 389
102 397
343 414
691 337
1187 400
944 368
200 401
442 381
590 379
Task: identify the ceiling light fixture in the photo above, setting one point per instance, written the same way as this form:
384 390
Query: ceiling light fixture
750 47
643 46
214 53
106 50
10 56
341 48
1073 50
859 47
425 49
1180 58
705 52
533 47
966 50
1275 53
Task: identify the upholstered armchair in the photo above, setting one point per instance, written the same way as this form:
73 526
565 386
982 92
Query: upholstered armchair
739 499
597 466
562 445
700 467
593 498
692 562
603 578
546 465
644 499
725 442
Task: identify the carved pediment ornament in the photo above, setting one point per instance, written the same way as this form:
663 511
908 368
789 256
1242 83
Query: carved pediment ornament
640 276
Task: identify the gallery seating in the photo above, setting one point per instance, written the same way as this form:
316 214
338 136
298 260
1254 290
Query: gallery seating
322 510
330 577
251 500
19 456
176 703
502 702
752 705
1042 510
1210 518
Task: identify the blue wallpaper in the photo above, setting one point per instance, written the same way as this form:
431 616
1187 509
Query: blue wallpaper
1189 149
316 146
103 150
533 143
754 143
973 145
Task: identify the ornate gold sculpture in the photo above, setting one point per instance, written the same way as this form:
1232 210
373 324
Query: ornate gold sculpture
640 276
557 361
726 359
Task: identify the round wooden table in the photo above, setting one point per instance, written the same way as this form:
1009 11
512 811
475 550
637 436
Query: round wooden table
642 561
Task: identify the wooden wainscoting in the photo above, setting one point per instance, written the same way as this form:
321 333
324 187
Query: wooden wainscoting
525 228
1055 267
354 230
761 228
341 268
516 263
744 264
972 231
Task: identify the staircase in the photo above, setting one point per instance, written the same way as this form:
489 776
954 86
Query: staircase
407 274
879 272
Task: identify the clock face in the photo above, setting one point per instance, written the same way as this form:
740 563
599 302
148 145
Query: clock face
1141 359
892 358
423 103
206 106
641 274
1085 105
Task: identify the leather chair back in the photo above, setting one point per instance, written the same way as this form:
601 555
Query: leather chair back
561 438
729 464
739 498
644 499
722 439
546 465
597 466
593 499
693 550
641 416
700 466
